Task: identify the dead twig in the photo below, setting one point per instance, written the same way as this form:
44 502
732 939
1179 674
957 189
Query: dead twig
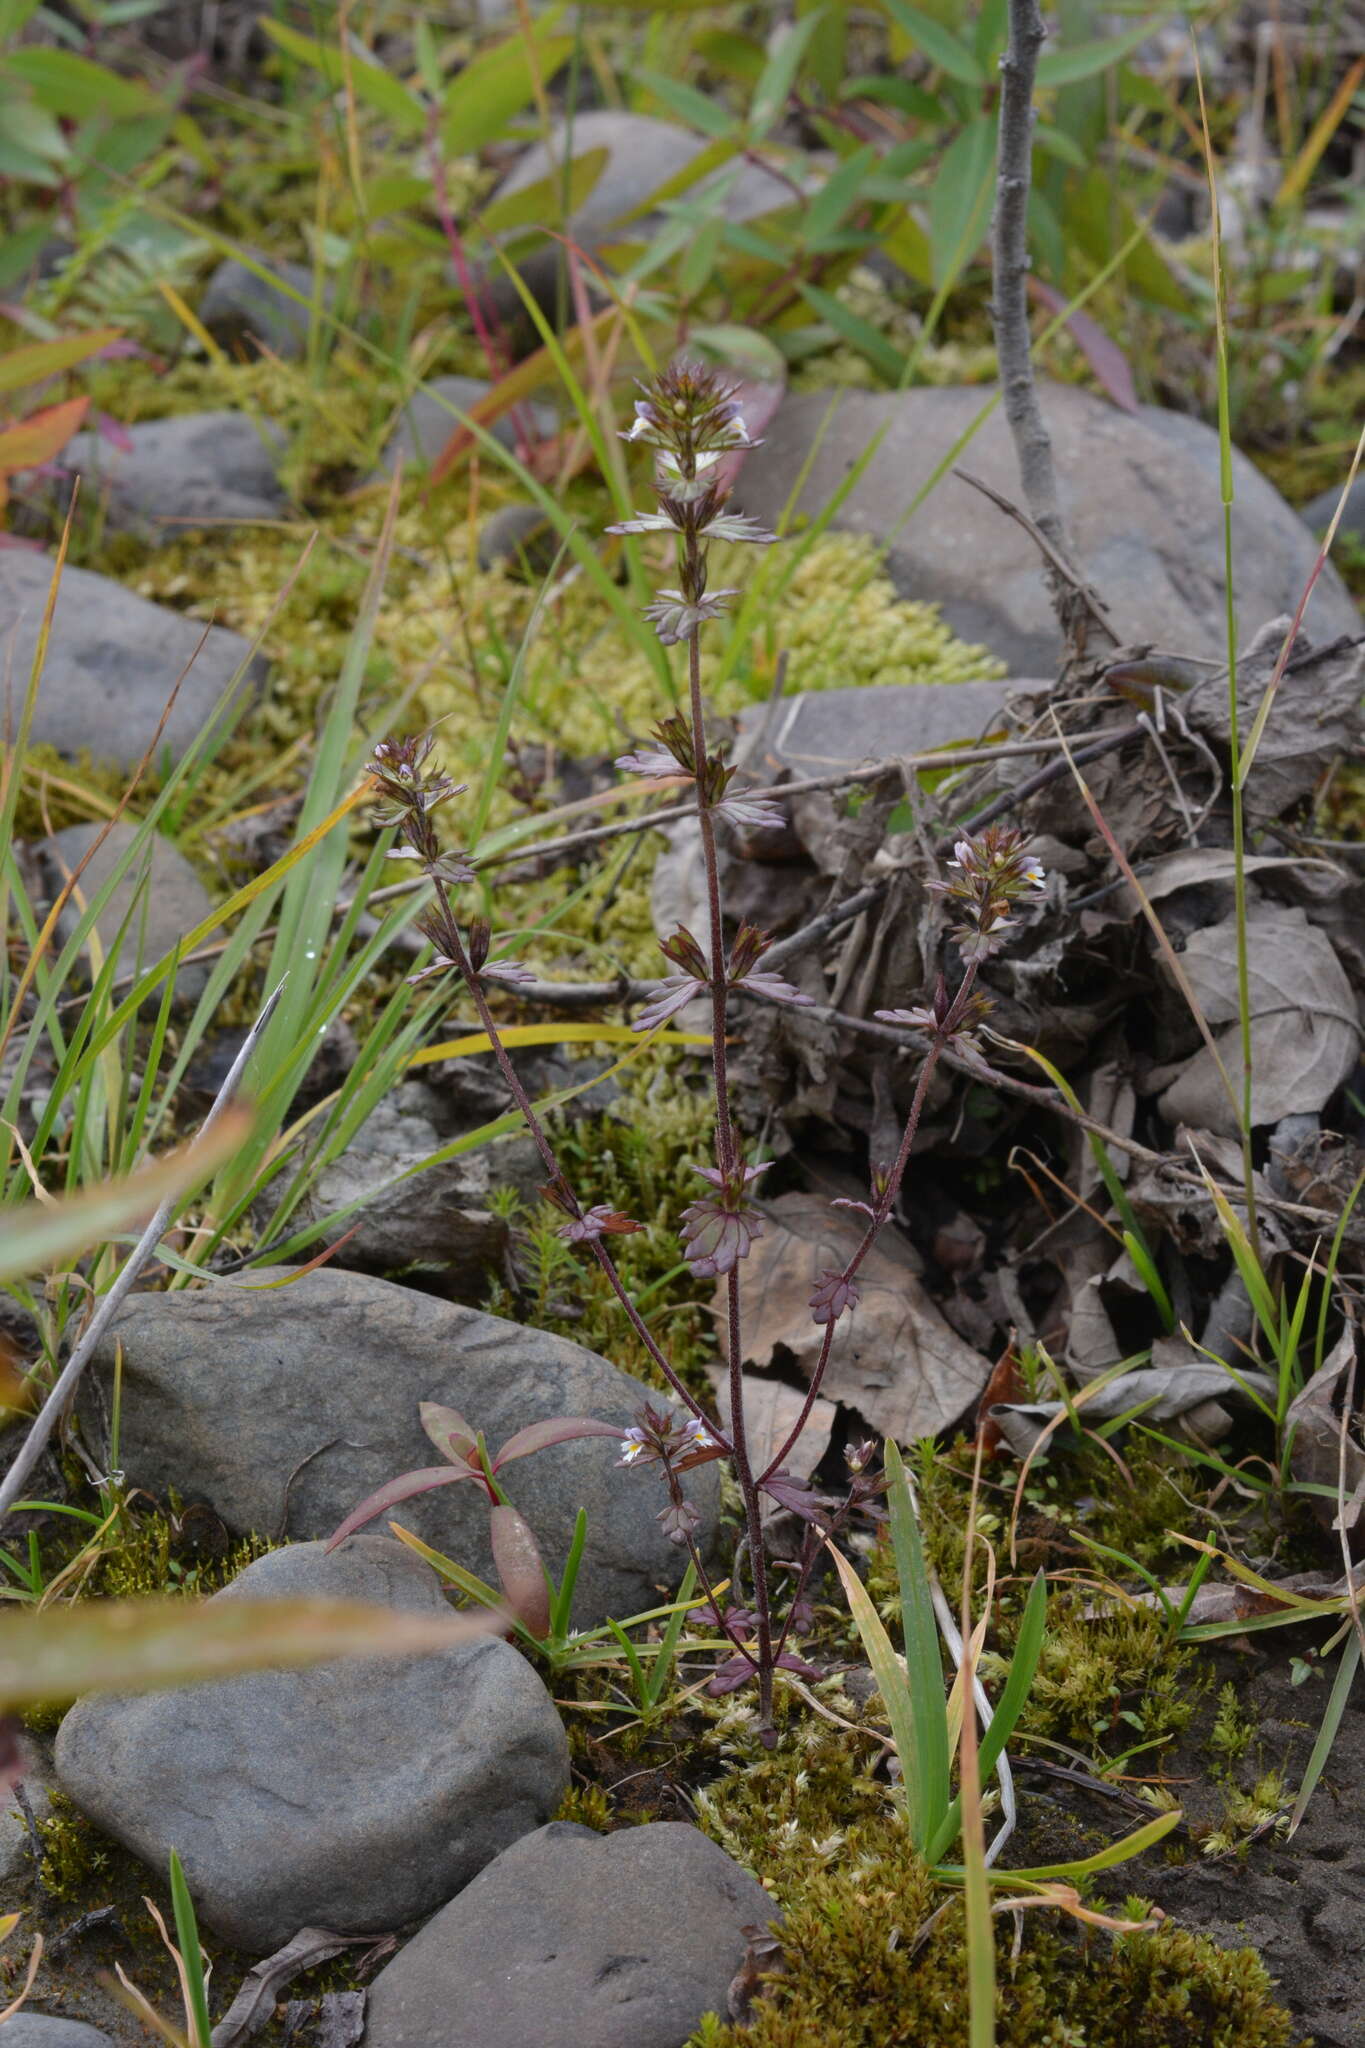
1080 592
1010 315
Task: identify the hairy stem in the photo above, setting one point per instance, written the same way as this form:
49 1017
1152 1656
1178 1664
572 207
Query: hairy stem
452 941
727 1157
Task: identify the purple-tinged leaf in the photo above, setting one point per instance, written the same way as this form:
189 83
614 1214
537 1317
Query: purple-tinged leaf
520 1571
449 1431
773 989
555 1429
730 1676
404 1487
832 1297
1103 354
650 761
599 1221
672 995
749 807
798 1497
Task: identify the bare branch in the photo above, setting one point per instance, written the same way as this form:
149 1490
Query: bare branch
1009 311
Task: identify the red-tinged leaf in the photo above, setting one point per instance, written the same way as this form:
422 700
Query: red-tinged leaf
402 1488
449 1431
297 1273
114 432
129 1646
1103 354
700 1457
520 1571
556 1429
37 440
1004 1384
760 399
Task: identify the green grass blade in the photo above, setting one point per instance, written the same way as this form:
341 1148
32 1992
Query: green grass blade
1331 1722
191 1955
923 1661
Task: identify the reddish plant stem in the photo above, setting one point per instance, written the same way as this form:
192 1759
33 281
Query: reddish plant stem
484 321
453 944
727 1153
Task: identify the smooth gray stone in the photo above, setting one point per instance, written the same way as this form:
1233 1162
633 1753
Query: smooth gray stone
576 1940
642 154
112 662
161 890
285 1408
244 312
1317 513
214 466
437 1221
354 1795
521 537
1140 493
427 424
39 2030
820 731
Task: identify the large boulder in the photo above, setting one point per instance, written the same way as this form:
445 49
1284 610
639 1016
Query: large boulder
283 1407
1140 492
112 662
576 1940
355 1795
218 467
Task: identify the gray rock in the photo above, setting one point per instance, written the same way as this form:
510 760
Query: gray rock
214 466
576 1940
522 538
245 313
642 154
160 896
285 1408
437 1222
355 1795
815 733
1140 492
113 660
1317 513
427 423
39 2030
824 730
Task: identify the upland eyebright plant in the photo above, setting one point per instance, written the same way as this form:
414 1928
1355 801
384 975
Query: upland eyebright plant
692 419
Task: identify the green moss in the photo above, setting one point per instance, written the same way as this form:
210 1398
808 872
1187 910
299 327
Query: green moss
638 1157
589 1806
1110 1674
170 1551
75 1854
1233 1728
861 1971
